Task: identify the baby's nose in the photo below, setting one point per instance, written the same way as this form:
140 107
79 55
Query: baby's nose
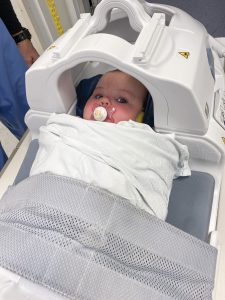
105 102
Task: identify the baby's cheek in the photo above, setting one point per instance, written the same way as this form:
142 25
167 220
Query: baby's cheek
86 112
129 112
123 115
88 109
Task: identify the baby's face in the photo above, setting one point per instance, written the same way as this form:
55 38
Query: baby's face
120 93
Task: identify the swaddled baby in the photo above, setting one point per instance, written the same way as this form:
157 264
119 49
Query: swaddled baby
110 149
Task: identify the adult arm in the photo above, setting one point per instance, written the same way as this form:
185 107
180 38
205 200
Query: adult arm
15 28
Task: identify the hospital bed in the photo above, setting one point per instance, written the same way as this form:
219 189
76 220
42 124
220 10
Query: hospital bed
180 64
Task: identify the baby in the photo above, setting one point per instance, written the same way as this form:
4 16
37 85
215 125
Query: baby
108 148
121 95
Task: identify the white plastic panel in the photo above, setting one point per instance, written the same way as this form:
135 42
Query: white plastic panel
219 109
43 17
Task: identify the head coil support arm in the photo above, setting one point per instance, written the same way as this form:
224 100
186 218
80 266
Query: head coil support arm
135 11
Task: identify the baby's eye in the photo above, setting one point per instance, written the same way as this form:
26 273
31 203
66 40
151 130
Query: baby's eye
98 96
121 100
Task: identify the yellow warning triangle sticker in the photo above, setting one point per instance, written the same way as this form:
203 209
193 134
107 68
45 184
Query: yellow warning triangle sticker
51 47
223 138
184 54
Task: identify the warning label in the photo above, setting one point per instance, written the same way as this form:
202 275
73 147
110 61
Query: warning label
185 54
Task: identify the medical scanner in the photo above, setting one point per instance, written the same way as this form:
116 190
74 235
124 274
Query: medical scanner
164 48
181 65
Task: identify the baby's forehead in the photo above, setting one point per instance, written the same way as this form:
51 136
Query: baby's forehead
114 91
121 82
118 77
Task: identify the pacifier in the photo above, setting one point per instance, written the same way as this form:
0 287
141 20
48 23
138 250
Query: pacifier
101 113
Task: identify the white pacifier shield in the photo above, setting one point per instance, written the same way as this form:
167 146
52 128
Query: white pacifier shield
100 113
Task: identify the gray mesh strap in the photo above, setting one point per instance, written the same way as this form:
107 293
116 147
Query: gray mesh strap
86 243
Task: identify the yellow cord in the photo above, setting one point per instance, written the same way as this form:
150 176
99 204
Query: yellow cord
55 16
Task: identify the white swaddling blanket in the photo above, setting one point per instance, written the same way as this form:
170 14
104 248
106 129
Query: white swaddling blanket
128 159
